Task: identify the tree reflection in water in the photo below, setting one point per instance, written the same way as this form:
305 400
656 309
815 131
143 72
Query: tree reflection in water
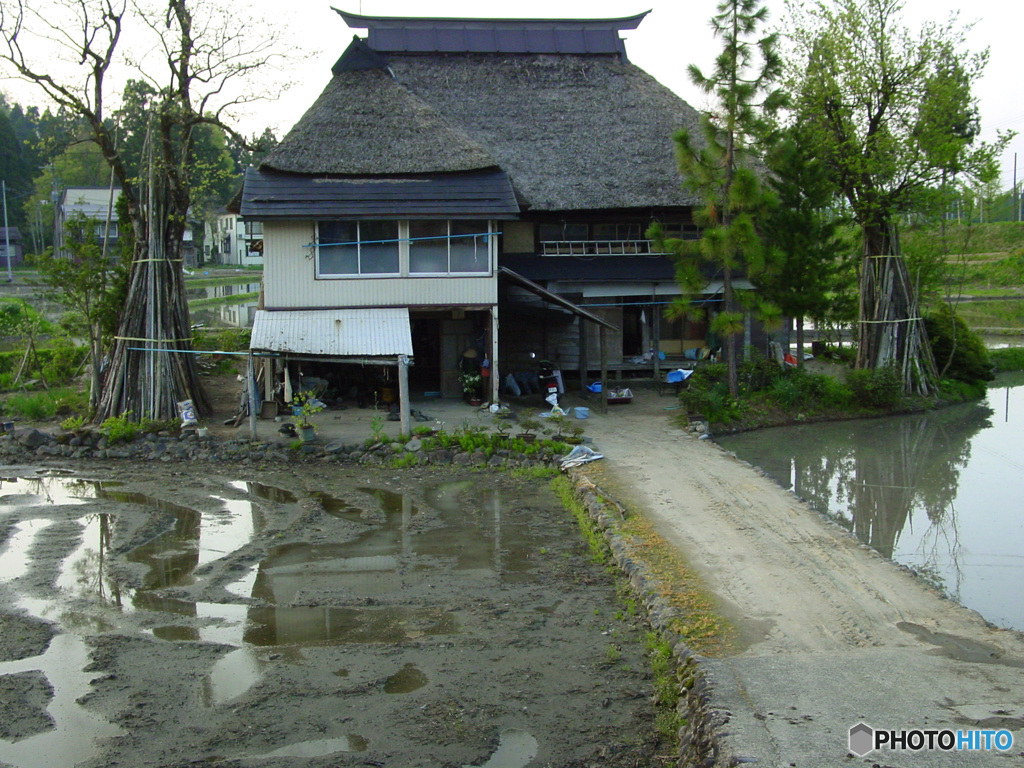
873 476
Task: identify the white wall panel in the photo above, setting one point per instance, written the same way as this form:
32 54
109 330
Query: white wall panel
290 280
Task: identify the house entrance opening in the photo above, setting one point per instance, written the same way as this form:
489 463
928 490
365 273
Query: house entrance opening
425 375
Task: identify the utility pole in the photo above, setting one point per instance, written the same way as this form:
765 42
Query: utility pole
1016 205
7 234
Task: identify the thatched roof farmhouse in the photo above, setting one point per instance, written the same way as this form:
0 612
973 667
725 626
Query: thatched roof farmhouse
541 131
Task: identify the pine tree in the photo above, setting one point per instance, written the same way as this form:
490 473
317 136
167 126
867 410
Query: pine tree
719 164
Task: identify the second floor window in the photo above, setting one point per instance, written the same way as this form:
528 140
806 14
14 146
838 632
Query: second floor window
103 230
347 248
403 248
447 247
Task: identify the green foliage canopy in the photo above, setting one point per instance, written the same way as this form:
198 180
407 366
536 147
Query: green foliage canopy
890 112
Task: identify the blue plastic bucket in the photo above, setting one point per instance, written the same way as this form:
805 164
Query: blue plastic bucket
581 412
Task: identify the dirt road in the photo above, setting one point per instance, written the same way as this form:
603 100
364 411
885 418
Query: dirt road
830 633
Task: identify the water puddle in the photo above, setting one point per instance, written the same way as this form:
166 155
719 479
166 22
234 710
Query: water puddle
83 573
318 748
75 731
224 532
516 748
15 560
408 679
44 489
231 676
194 540
320 626
268 492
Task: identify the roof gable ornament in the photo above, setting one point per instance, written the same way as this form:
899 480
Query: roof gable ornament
389 34
358 56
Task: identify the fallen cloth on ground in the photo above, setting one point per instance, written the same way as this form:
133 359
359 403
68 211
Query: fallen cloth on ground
579 455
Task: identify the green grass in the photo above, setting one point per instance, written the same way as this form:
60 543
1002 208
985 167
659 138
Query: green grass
45 405
974 239
236 298
992 314
207 282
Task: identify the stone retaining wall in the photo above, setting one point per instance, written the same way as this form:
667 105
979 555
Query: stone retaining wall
27 444
700 745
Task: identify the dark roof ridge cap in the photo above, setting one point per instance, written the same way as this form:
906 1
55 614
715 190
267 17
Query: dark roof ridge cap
272 171
621 22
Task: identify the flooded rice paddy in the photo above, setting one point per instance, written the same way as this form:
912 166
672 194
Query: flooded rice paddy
939 492
171 619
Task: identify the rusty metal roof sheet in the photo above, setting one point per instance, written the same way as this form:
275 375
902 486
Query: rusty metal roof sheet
353 333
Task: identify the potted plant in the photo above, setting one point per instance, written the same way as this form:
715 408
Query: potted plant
304 405
471 384
530 424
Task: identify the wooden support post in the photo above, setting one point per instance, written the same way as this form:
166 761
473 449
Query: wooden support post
584 360
495 380
251 392
403 395
656 334
604 369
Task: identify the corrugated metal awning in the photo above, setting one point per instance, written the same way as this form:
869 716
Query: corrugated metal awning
360 334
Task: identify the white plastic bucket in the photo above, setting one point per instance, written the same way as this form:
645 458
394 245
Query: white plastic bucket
581 412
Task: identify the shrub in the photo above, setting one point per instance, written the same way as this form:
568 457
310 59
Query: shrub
227 339
876 388
41 406
826 391
118 429
1007 359
786 392
759 373
958 350
714 403
74 423
62 360
33 406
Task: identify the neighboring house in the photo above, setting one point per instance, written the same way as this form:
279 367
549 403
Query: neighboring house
11 237
458 170
232 241
98 204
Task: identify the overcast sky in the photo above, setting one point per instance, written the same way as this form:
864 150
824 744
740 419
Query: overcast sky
674 35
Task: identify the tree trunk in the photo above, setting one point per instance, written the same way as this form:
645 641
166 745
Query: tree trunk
729 338
800 342
891 329
152 366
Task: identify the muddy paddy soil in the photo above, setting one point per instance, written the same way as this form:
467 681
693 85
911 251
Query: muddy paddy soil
159 617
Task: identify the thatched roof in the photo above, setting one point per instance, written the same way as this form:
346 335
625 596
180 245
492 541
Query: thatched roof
364 123
573 131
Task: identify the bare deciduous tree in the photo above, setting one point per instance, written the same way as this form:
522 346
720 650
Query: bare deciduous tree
197 56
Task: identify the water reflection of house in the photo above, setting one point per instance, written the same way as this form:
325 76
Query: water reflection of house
453 167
